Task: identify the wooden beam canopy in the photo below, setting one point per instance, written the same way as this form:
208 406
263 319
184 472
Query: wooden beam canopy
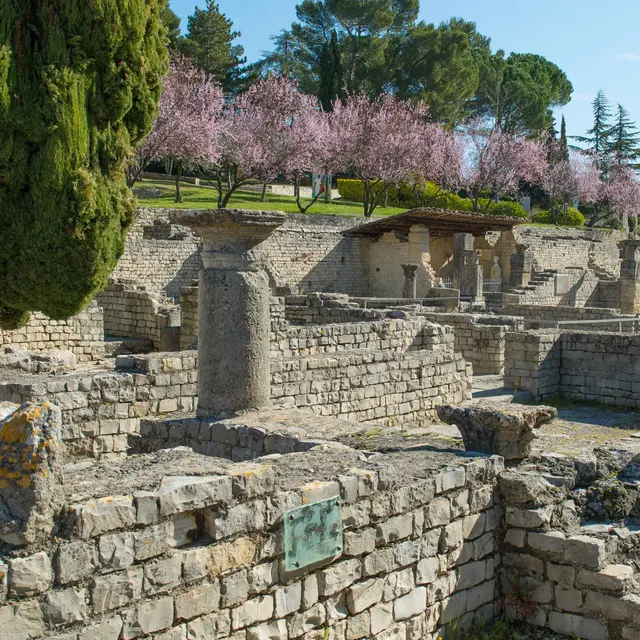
439 222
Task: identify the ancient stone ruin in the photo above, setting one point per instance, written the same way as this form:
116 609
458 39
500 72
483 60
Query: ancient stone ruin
282 427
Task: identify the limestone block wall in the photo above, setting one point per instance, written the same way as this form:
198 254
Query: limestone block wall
553 248
131 311
578 585
532 362
558 314
366 386
188 317
158 255
583 286
479 339
100 410
202 557
310 252
82 334
599 367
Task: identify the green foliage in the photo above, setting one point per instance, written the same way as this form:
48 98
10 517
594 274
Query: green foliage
623 140
79 87
437 65
570 218
429 195
331 74
172 23
597 138
519 92
209 44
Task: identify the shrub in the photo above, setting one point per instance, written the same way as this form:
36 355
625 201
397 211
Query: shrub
570 218
505 208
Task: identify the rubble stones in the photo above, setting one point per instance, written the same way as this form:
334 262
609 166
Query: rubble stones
506 430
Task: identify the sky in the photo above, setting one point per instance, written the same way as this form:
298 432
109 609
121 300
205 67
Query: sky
596 43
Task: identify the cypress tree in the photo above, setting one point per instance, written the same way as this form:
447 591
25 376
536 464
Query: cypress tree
597 138
564 145
331 76
80 82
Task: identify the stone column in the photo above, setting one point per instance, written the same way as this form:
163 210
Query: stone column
420 255
468 274
233 308
630 276
410 281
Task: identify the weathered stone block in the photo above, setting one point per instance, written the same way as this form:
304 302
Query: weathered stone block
148 617
586 551
21 621
288 599
61 608
364 594
252 611
106 514
108 629
116 589
506 430
186 493
338 576
31 473
30 575
197 602
410 605
75 561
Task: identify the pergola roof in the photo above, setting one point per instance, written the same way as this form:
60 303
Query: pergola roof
440 222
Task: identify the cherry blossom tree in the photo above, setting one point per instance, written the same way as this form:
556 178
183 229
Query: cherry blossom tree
575 178
623 194
272 128
497 162
190 121
379 142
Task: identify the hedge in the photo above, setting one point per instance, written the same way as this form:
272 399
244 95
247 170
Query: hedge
570 218
432 196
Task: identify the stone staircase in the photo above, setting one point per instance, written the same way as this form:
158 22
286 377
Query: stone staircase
602 274
539 279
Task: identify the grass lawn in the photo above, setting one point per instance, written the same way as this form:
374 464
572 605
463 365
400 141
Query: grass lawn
204 197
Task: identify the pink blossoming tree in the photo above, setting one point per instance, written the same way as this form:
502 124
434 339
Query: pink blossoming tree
189 122
576 178
378 141
623 194
496 162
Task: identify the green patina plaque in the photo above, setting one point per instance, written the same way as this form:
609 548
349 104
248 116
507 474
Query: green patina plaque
312 533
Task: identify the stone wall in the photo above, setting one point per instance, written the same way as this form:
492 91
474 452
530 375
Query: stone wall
551 248
598 367
188 317
158 255
530 313
575 580
131 311
416 371
82 334
203 557
479 339
386 387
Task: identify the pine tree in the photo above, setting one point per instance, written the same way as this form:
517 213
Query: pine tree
597 138
623 137
79 88
209 44
172 22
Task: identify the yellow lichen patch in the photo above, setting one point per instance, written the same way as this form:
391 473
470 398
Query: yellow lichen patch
14 429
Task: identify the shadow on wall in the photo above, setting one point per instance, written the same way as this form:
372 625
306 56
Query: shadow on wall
344 269
189 270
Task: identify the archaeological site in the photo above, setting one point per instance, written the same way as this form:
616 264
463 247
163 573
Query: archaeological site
281 426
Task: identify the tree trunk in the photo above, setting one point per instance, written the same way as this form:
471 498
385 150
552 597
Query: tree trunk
178 178
328 189
386 197
264 192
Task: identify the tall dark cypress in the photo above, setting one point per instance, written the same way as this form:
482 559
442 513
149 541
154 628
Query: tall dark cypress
564 145
331 74
80 82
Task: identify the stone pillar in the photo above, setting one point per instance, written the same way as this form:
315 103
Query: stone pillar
630 276
409 286
420 255
467 271
233 308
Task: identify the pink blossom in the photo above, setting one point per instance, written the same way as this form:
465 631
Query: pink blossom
498 162
623 192
577 178
190 118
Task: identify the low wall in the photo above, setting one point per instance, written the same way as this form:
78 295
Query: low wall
574 314
131 311
203 557
599 367
82 334
100 410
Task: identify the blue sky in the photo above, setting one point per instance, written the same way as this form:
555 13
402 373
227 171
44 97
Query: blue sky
596 43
